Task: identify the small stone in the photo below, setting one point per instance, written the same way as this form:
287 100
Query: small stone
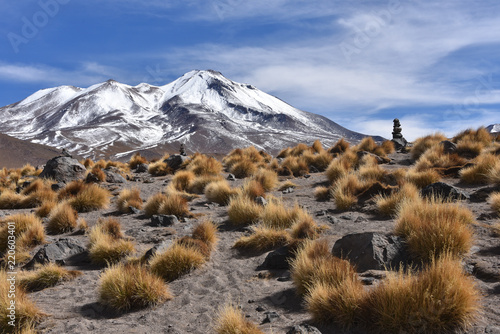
141 168
303 329
57 186
133 209
231 177
307 176
260 200
164 220
271 316
260 309
288 190
321 213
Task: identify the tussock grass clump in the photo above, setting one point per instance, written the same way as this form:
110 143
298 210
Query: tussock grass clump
136 160
26 312
176 261
345 190
28 231
341 304
478 174
340 147
111 226
97 173
174 205
494 174
287 184
197 186
88 163
435 158
388 146
230 320
71 189
45 277
204 165
263 239
126 287
243 211
153 204
253 189
424 143
267 178
44 210
129 198
106 246
314 264
182 179
322 193
90 198
367 144
441 297
388 205
170 191
432 228
159 168
276 215
11 200
305 228
371 173
422 179
220 192
340 167
317 146
62 219
495 202
481 135
297 165
469 149
206 232
36 198
243 168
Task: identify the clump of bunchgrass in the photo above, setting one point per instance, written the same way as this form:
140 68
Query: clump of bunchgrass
263 239
106 245
220 192
243 211
230 320
126 287
478 173
62 218
388 205
45 276
91 197
127 199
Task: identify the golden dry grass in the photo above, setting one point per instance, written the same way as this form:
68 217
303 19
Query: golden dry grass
105 248
441 298
182 179
263 239
220 192
159 168
28 231
388 146
243 168
197 186
371 173
422 179
340 147
45 276
367 144
26 313
62 219
128 287
129 198
314 264
322 193
494 174
98 173
253 189
305 228
111 226
297 165
341 304
174 205
469 148
286 184
317 146
201 164
267 178
345 190
481 135
90 198
11 200
153 204
432 228
424 143
71 190
388 205
206 231
478 174
136 160
44 210
243 211
230 320
176 261
276 215
494 200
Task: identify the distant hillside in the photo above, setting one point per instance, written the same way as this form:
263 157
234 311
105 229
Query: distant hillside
15 153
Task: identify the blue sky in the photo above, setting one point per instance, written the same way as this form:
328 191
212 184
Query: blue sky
435 65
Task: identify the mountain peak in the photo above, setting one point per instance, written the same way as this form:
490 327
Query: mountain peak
202 109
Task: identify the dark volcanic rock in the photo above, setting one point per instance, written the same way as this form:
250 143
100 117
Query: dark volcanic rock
63 169
370 250
159 248
175 161
444 190
303 329
141 168
112 177
164 220
56 252
277 259
448 146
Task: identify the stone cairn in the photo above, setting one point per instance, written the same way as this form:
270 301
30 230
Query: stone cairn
182 150
397 138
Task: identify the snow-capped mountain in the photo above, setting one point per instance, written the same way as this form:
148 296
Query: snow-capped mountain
493 128
202 109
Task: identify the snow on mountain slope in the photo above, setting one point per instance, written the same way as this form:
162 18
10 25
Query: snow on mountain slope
203 109
493 128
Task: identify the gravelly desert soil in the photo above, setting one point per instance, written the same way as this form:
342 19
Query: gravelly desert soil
231 276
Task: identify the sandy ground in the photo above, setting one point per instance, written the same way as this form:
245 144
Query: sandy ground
232 277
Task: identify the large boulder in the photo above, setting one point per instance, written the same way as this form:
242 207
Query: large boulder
63 169
370 250
444 190
175 161
56 252
278 259
112 177
303 329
